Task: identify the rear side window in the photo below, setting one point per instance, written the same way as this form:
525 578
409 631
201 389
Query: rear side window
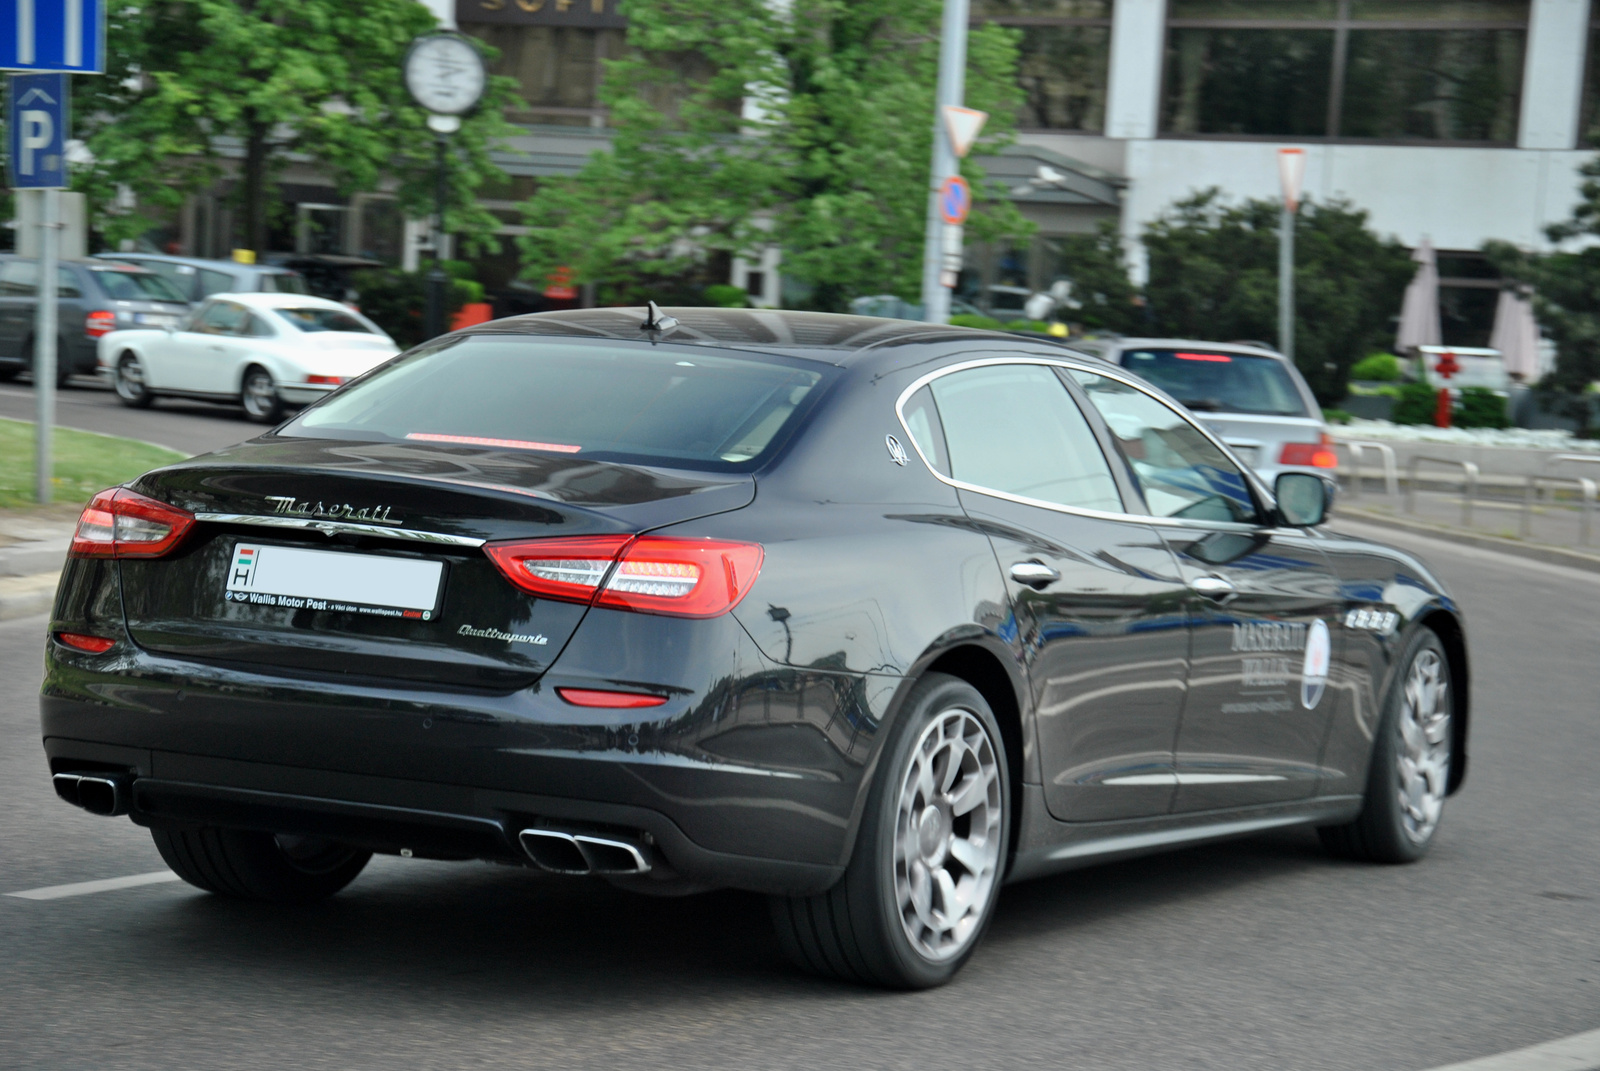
1206 381
216 282
19 278
1014 428
283 283
125 285
636 403
315 319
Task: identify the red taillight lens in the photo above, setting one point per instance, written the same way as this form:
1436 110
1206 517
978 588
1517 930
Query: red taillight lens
92 644
1317 455
100 322
332 380
682 577
566 569
652 574
591 697
120 523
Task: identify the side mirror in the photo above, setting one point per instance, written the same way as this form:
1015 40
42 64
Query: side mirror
1304 500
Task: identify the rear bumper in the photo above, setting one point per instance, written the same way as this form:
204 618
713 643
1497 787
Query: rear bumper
753 782
426 819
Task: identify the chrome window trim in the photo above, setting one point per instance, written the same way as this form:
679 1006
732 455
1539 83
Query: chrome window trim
1115 373
330 528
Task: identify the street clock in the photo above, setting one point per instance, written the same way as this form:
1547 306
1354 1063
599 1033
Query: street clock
445 73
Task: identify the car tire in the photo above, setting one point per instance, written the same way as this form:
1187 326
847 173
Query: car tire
887 922
249 865
128 379
10 372
1409 773
260 396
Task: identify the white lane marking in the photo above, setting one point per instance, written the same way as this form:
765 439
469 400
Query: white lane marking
1580 1052
84 888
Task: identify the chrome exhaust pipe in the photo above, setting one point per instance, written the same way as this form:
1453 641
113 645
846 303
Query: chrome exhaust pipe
97 793
582 853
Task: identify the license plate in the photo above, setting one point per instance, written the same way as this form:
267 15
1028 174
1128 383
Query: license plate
301 579
155 319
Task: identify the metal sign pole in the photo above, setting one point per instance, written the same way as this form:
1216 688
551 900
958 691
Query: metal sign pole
44 344
1286 283
952 87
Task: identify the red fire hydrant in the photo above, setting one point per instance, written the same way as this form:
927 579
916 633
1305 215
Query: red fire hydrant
1447 367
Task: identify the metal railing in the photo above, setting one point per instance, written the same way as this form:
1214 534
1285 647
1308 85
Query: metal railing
1586 487
1531 488
1358 449
1469 484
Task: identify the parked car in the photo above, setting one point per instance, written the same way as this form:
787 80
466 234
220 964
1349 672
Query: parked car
95 298
197 278
1252 397
265 351
872 616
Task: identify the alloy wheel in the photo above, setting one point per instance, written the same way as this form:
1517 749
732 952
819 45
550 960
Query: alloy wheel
1422 761
260 395
947 835
130 379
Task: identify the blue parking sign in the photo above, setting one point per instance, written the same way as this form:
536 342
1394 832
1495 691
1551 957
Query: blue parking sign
36 119
53 35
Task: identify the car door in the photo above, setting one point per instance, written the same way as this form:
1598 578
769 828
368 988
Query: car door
1097 602
19 280
200 355
1263 608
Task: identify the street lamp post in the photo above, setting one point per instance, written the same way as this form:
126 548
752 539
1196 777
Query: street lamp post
1291 173
445 74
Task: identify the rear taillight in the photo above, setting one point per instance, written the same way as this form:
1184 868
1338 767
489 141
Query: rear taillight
120 523
591 697
92 644
650 574
99 322
1318 455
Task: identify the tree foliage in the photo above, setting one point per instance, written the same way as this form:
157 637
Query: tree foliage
829 160
1213 274
1566 288
193 84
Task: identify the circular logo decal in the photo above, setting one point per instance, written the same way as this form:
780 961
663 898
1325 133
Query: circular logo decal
1314 674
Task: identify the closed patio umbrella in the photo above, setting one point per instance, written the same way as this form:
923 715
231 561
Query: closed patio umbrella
1419 315
1516 335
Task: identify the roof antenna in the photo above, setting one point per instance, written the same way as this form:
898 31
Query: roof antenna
656 320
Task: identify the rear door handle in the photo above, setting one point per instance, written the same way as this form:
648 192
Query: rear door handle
1213 587
1036 575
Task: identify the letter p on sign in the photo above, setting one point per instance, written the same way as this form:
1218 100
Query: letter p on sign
38 131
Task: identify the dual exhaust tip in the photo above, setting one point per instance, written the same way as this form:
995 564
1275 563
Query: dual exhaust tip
582 853
97 793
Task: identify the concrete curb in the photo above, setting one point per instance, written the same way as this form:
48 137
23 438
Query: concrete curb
25 596
1574 559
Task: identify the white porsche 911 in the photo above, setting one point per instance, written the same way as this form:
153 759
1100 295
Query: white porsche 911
265 351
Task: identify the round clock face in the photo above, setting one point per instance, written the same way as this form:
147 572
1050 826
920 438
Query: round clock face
444 74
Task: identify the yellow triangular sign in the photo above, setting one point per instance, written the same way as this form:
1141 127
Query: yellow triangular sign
963 124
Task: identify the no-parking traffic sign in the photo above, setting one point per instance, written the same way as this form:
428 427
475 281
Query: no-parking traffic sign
955 200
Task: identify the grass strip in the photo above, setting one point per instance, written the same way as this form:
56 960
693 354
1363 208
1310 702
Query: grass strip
84 463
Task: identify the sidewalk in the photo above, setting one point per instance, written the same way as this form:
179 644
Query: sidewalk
32 550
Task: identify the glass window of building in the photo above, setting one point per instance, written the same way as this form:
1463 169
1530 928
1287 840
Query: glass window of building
1589 124
1065 55
1383 70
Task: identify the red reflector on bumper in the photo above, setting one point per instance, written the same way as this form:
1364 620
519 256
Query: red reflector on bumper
589 697
92 644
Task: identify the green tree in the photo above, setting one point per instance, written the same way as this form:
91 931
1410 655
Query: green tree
1103 297
829 160
1213 274
314 79
1566 289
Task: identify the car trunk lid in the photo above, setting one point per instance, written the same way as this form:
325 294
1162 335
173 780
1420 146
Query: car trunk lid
404 512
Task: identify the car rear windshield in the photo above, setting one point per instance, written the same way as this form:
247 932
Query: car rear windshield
1208 381
634 403
312 320
127 284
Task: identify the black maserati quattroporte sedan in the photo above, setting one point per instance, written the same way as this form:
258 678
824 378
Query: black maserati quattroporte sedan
869 615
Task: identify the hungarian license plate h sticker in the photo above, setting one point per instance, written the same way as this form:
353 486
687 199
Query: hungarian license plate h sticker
300 579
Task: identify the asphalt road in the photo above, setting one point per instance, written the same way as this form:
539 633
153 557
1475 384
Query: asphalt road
193 427
1260 953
